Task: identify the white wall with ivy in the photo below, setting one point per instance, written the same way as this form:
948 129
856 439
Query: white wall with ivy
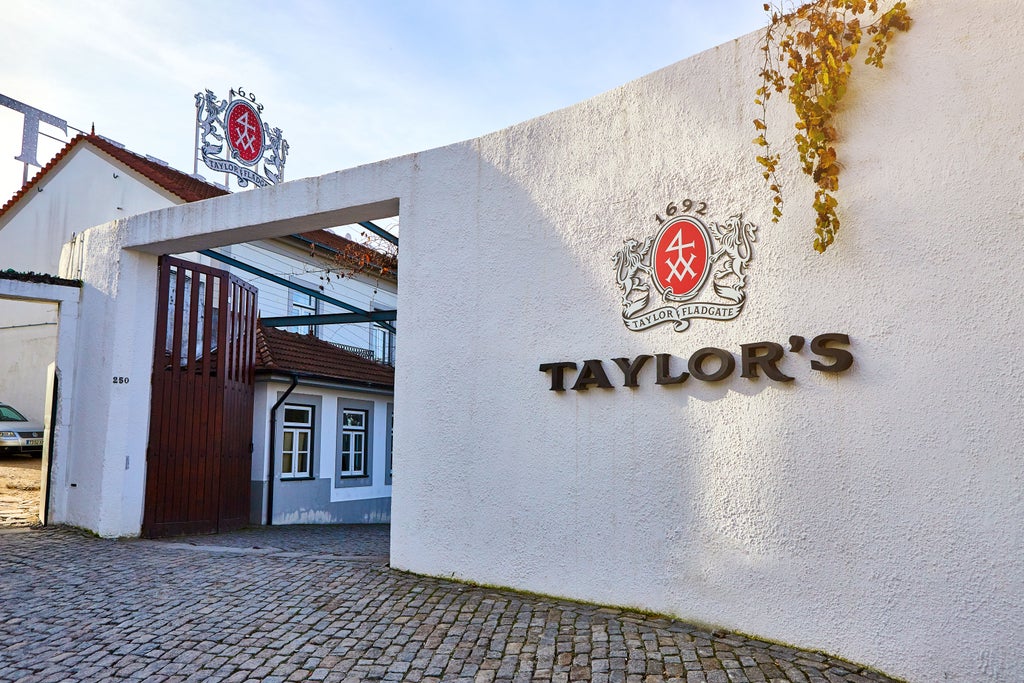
875 513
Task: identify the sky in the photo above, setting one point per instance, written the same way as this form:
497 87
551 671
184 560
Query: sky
347 82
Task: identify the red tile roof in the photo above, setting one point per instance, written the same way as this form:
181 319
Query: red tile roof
191 189
176 182
308 356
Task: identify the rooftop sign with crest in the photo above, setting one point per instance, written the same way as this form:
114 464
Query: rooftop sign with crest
232 138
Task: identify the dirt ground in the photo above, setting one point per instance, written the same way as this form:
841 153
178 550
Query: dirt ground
19 490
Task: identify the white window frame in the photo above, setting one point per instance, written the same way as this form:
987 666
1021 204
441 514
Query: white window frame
349 457
303 308
295 430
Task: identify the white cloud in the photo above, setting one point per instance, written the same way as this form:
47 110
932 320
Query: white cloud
349 82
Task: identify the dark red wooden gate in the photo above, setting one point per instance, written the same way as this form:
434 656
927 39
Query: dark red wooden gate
200 436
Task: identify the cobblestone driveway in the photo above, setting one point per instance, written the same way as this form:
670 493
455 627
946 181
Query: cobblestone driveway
319 603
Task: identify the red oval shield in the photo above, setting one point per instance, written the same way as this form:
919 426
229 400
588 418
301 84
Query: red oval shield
680 258
245 131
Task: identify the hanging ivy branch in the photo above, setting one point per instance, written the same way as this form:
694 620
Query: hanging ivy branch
374 257
807 54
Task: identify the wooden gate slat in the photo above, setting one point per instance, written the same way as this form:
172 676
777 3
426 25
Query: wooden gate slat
201 396
198 464
154 458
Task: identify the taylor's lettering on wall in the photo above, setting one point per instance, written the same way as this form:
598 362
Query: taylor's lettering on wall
708 364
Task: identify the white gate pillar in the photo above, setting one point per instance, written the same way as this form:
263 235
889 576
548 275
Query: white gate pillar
103 486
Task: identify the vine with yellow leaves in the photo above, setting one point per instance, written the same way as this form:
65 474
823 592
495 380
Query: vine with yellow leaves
807 54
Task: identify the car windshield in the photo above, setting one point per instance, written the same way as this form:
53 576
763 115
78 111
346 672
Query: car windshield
9 414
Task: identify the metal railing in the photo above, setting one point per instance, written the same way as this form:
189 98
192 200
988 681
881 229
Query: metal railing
359 351
364 353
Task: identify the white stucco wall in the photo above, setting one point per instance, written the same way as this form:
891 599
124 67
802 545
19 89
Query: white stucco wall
103 485
31 328
874 514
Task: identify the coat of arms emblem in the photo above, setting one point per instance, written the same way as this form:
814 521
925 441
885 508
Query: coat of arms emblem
679 261
236 124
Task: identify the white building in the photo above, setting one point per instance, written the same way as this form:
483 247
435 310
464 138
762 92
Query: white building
94 180
332 432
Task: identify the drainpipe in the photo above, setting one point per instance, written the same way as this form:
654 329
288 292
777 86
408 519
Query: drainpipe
271 460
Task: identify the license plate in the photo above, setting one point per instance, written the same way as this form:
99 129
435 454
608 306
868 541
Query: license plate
35 442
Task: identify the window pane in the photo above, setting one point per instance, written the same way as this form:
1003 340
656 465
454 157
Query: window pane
353 442
297 415
288 442
286 463
304 442
303 464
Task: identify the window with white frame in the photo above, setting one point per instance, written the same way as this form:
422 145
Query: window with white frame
303 304
353 443
297 442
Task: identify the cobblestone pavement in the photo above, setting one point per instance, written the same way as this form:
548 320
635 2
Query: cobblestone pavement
319 603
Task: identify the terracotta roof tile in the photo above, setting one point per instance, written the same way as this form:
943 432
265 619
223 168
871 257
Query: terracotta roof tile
307 355
174 181
191 189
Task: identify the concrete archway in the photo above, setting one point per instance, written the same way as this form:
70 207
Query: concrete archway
105 490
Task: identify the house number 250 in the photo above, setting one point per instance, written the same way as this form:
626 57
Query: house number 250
120 380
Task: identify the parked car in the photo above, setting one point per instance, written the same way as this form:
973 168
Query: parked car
18 434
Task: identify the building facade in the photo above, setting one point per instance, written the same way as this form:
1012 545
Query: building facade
329 439
94 180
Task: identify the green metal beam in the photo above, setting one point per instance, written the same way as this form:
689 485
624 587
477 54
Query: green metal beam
291 285
379 232
329 319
